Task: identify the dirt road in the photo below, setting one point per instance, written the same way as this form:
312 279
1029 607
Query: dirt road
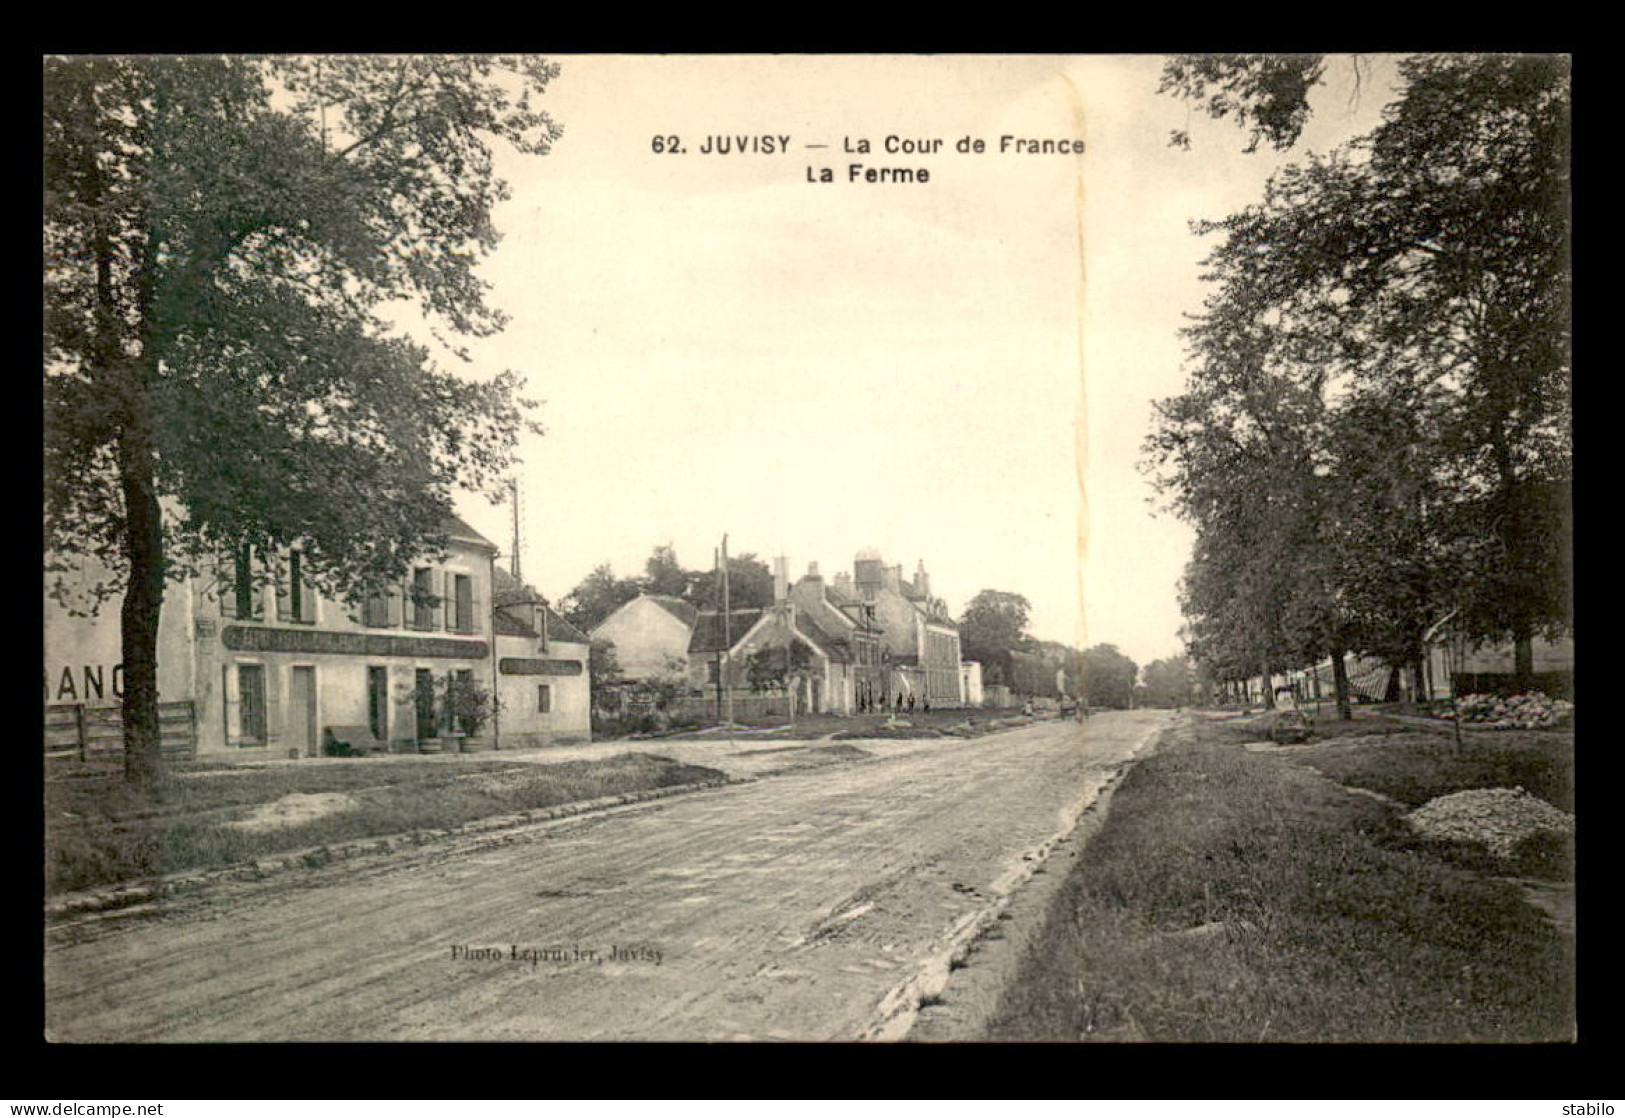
788 908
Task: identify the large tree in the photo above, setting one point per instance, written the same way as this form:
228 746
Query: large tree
1108 677
228 242
1434 252
750 584
993 625
597 596
1169 682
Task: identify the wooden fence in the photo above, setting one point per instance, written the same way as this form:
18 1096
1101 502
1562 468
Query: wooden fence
86 733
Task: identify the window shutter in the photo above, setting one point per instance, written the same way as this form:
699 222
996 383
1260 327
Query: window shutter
250 595
394 608
273 705
226 586
449 618
232 705
284 588
307 593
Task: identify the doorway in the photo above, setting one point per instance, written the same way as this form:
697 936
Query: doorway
302 710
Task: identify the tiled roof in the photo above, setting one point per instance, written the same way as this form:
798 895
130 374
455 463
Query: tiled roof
558 629
707 635
505 625
838 597
507 590
833 647
458 529
681 610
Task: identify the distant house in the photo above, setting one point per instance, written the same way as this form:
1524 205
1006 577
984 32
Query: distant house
970 682
812 666
651 634
918 638
1449 665
850 629
542 681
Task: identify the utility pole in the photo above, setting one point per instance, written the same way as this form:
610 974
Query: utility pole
727 636
513 489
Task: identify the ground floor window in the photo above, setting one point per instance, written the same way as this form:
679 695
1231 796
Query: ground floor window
423 693
462 686
378 702
251 703
544 698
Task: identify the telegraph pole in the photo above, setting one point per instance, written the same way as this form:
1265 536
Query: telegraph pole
513 489
727 636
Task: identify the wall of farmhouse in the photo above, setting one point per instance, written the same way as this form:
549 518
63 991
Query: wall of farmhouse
647 638
84 655
545 694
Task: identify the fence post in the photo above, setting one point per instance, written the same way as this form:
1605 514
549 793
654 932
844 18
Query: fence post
80 732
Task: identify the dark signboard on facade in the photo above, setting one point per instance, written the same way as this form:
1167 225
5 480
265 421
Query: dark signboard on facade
241 638
520 665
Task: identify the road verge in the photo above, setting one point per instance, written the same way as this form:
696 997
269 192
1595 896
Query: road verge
952 995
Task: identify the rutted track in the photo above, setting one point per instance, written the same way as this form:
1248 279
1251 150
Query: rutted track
779 909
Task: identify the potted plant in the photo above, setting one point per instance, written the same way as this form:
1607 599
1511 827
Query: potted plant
467 707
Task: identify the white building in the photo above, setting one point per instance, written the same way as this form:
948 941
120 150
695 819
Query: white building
267 668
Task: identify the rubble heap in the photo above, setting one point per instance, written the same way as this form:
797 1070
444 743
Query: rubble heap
1502 819
1531 710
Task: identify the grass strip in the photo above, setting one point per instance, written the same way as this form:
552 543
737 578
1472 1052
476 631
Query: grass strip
99 832
1234 896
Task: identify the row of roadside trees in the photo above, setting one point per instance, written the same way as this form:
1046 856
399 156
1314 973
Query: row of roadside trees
1375 438
993 632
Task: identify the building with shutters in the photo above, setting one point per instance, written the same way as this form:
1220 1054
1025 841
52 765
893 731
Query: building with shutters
268 665
542 680
919 641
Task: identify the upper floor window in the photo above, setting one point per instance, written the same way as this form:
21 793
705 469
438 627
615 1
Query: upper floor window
239 595
295 600
382 610
460 603
424 601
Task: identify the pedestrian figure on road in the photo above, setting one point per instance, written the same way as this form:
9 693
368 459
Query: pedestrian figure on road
911 704
899 700
925 705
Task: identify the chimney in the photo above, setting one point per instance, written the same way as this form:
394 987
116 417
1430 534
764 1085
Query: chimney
812 572
843 583
781 578
868 572
892 577
922 581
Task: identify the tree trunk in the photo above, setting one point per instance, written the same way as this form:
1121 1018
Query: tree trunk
1340 682
1523 658
1265 683
142 525
1391 693
143 605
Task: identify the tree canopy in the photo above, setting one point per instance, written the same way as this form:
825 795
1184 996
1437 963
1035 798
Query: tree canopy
601 593
228 243
1109 677
993 625
1376 428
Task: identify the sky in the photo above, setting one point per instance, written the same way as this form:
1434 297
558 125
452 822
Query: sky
959 371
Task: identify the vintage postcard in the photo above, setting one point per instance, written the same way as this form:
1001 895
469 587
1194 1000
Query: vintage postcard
808 548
